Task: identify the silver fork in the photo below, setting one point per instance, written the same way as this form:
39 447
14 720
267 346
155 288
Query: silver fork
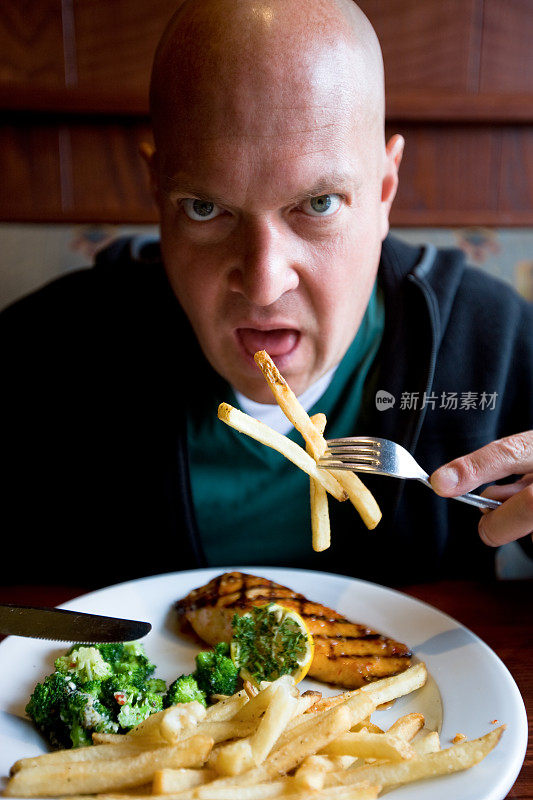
383 457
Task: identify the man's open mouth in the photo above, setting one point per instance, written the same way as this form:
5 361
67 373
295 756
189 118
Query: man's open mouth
277 342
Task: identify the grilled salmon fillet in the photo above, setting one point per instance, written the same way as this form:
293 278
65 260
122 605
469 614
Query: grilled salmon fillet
346 654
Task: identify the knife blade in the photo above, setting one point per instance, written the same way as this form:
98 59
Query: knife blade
67 626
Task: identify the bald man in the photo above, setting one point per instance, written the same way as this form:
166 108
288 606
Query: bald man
274 185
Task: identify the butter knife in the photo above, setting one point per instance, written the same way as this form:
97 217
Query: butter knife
67 626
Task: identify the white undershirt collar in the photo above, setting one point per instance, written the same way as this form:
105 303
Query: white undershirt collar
272 415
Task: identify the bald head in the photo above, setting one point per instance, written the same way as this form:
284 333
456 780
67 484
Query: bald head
225 61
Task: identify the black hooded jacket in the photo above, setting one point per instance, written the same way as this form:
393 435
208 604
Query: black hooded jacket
96 368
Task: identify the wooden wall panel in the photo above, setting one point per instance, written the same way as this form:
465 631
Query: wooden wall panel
516 176
507 47
108 174
444 173
31 172
115 41
74 78
31 43
427 45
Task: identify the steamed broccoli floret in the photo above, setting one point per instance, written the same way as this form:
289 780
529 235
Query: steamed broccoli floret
81 711
137 707
93 687
129 704
44 708
215 671
84 664
60 711
79 737
155 685
185 689
112 653
134 665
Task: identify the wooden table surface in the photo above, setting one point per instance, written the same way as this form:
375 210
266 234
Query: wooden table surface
499 613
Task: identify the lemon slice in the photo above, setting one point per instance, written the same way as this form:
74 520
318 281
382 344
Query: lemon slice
270 641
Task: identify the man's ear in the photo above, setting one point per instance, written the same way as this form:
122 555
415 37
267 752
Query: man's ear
148 154
389 186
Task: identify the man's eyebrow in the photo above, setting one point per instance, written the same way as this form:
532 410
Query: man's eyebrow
327 184
186 188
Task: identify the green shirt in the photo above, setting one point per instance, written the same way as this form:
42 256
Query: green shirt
252 504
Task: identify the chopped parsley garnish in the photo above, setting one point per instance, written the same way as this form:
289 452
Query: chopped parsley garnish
267 644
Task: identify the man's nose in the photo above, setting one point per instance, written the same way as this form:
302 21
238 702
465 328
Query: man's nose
265 267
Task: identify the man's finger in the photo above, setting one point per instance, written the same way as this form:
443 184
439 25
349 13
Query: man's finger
512 520
512 455
504 491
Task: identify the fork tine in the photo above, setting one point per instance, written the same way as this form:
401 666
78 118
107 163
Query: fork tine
363 441
352 454
352 450
348 465
349 458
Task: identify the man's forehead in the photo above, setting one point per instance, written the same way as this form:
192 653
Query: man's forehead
230 168
293 188
256 78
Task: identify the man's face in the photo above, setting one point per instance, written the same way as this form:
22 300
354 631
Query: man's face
272 219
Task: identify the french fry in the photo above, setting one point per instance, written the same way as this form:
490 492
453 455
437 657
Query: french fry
251 777
263 433
311 773
168 781
110 775
359 495
222 730
428 742
320 525
358 706
305 702
179 721
307 773
275 718
368 726
107 738
250 688
233 758
363 791
163 727
96 753
453 759
407 727
299 724
256 791
363 744
227 708
323 703
387 689
256 706
309 741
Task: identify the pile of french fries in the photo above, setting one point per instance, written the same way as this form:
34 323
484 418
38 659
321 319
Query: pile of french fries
266 742
342 485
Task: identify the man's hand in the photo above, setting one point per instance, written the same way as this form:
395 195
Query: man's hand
512 455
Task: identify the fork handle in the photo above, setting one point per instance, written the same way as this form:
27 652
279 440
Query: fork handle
477 500
470 498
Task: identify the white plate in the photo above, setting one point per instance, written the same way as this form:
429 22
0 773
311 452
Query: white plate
469 686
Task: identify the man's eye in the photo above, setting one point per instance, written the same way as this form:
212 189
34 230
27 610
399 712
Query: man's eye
322 206
200 210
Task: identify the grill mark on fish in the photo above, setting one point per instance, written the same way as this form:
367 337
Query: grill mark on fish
366 637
